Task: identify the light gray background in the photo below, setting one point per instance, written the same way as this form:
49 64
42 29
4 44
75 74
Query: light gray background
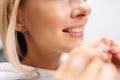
104 20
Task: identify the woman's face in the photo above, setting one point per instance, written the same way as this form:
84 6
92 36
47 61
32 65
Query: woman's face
57 24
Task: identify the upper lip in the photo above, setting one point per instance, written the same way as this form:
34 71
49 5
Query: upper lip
74 26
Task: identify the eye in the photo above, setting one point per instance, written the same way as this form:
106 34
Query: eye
85 0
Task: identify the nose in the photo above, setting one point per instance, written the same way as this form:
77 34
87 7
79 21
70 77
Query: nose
80 11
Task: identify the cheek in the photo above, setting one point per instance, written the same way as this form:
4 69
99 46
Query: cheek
45 24
44 21
46 17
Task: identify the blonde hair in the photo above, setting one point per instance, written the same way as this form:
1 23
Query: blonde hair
8 34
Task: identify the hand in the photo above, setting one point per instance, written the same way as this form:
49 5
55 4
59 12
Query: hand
112 49
86 62
115 51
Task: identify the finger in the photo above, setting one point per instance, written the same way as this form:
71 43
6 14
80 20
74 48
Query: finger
72 64
116 63
102 44
93 70
62 70
108 72
108 41
115 49
116 57
95 42
89 53
79 62
76 68
102 40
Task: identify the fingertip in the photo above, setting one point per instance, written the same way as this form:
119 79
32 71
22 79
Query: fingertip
95 42
115 49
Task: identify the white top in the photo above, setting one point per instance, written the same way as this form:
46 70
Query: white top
8 72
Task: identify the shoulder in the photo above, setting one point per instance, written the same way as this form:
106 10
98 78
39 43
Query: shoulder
8 72
5 65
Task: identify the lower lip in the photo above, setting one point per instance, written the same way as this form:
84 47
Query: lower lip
75 35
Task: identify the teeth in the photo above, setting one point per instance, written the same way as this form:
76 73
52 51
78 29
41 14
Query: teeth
75 30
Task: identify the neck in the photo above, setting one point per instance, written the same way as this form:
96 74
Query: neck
41 57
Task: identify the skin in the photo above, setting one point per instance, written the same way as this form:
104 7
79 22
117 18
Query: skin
43 22
85 66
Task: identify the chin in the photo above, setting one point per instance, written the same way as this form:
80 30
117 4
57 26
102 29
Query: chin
68 48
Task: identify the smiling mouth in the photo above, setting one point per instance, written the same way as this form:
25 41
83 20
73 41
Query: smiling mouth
74 32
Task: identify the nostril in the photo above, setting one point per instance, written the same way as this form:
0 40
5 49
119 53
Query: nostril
80 15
